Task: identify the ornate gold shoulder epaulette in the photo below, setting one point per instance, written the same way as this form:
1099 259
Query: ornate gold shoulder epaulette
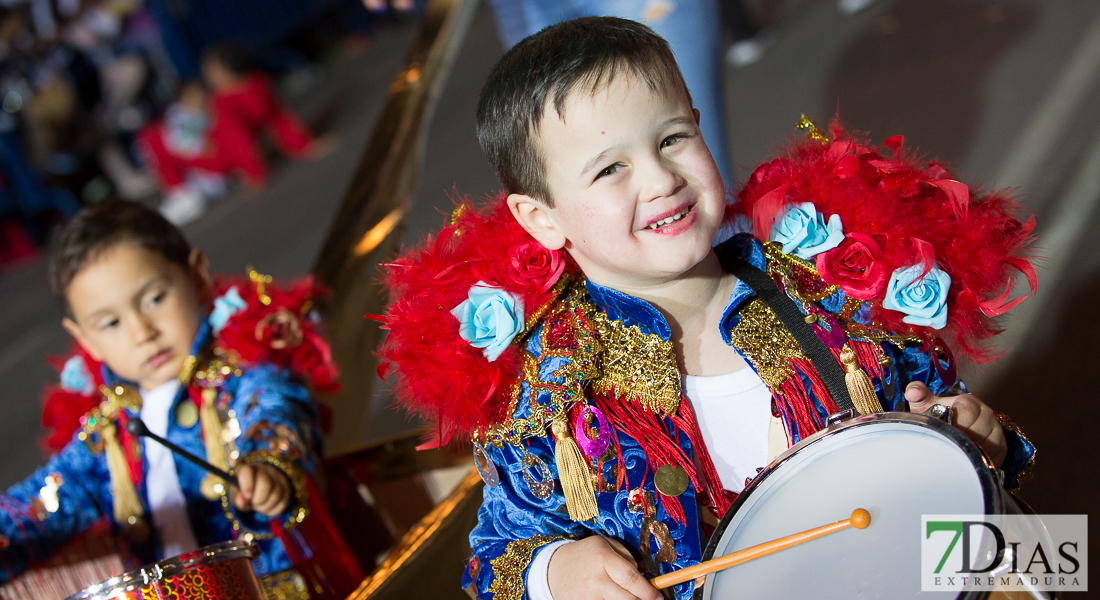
604 355
103 421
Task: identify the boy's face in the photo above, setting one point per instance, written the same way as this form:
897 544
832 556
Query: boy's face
216 74
138 312
637 196
194 97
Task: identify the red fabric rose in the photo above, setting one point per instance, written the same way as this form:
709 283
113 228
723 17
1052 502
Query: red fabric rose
532 263
855 266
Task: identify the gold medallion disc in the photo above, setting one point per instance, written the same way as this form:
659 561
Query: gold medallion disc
671 480
187 414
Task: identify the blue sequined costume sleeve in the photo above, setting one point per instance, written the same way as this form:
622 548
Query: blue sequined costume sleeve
44 511
279 427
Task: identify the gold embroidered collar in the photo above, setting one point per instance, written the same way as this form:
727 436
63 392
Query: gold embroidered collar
601 355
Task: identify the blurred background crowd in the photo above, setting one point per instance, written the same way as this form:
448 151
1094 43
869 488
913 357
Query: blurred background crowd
153 100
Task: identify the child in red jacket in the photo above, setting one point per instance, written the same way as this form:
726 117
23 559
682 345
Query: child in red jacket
244 103
188 153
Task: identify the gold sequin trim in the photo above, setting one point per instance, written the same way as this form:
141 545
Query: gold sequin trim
297 477
515 431
636 365
800 278
812 132
508 568
115 399
766 343
561 336
1028 469
563 284
214 370
856 331
261 281
285 585
599 352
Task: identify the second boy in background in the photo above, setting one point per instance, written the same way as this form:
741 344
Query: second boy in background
602 343
219 369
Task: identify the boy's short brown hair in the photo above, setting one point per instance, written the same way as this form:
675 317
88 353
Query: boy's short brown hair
104 225
549 66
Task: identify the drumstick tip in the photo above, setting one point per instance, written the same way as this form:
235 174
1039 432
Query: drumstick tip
860 518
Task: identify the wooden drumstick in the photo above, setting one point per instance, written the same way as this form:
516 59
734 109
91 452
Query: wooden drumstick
860 519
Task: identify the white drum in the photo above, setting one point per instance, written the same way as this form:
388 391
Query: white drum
898 466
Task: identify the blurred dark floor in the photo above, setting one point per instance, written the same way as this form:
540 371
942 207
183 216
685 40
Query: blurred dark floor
1007 90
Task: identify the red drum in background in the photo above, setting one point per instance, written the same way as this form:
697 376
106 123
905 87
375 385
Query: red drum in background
221 571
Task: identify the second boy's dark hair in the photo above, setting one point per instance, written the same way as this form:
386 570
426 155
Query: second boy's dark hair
100 227
546 68
234 55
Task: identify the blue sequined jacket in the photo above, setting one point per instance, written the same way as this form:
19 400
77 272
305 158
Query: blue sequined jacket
267 417
514 522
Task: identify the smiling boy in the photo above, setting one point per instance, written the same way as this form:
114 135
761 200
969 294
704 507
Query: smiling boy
627 334
138 300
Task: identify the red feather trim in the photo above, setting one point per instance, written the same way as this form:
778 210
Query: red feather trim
423 343
62 409
280 332
916 213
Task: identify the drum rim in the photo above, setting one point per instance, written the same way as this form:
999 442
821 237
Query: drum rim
991 500
169 567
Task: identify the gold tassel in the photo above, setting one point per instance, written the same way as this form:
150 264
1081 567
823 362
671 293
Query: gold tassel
212 440
859 384
127 505
576 479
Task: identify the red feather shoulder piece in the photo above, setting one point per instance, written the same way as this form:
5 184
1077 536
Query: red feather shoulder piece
261 322
460 303
64 404
934 257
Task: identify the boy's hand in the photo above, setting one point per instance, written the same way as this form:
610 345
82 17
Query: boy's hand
972 416
264 489
597 567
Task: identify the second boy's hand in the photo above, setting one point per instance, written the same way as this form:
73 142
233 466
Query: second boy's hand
263 488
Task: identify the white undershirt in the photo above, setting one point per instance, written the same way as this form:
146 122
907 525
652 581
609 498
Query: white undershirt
166 501
734 411
735 418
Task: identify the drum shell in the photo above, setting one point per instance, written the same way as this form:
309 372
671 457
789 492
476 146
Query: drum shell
994 499
222 571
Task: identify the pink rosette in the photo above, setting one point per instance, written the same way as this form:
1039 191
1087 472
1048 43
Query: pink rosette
855 266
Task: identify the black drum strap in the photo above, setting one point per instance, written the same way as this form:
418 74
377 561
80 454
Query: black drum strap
795 322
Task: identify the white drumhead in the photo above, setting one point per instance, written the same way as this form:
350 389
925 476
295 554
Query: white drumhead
896 470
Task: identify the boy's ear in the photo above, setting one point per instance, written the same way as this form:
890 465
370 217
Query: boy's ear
200 274
73 328
695 111
534 216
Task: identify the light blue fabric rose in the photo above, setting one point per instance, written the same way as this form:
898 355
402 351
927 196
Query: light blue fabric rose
490 318
75 376
923 299
803 230
225 306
